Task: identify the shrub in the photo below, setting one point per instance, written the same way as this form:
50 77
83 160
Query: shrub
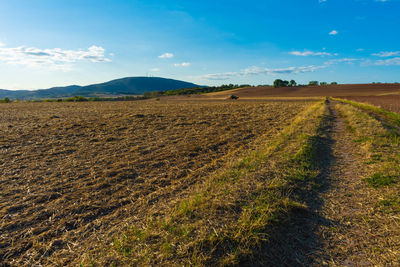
5 100
76 99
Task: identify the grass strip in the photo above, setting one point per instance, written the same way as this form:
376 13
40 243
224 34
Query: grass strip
378 217
382 143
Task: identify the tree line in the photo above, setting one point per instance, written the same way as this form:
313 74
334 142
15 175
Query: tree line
195 90
291 83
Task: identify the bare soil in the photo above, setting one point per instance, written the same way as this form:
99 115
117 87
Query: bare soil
339 90
72 175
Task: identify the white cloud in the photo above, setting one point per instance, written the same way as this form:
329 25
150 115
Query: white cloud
261 71
166 55
321 1
55 58
183 64
360 49
155 69
311 53
334 32
2 44
386 54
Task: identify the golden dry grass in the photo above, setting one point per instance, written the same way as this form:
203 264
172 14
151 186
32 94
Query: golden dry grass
74 174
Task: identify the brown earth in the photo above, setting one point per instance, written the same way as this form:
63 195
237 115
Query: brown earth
72 175
339 90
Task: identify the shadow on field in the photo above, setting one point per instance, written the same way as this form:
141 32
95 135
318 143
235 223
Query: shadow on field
294 241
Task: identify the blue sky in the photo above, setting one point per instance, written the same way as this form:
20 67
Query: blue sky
45 43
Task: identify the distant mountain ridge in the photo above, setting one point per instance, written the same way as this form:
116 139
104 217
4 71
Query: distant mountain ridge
123 86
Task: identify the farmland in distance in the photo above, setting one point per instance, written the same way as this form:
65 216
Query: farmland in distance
388 102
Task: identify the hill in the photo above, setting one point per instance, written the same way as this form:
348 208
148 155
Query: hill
124 86
310 91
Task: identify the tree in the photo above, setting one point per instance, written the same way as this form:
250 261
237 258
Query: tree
323 83
7 100
292 83
333 83
313 83
280 83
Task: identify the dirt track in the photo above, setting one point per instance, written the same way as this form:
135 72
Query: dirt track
356 232
344 225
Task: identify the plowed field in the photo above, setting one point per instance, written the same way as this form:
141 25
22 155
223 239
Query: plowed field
72 175
310 91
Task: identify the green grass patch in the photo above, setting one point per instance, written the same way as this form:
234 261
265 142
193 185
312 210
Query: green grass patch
363 139
188 206
379 179
350 128
390 205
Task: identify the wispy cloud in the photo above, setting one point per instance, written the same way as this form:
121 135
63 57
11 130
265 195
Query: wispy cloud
183 64
261 71
387 54
388 62
364 62
321 1
334 32
155 69
311 53
2 44
166 55
55 58
360 49
342 60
